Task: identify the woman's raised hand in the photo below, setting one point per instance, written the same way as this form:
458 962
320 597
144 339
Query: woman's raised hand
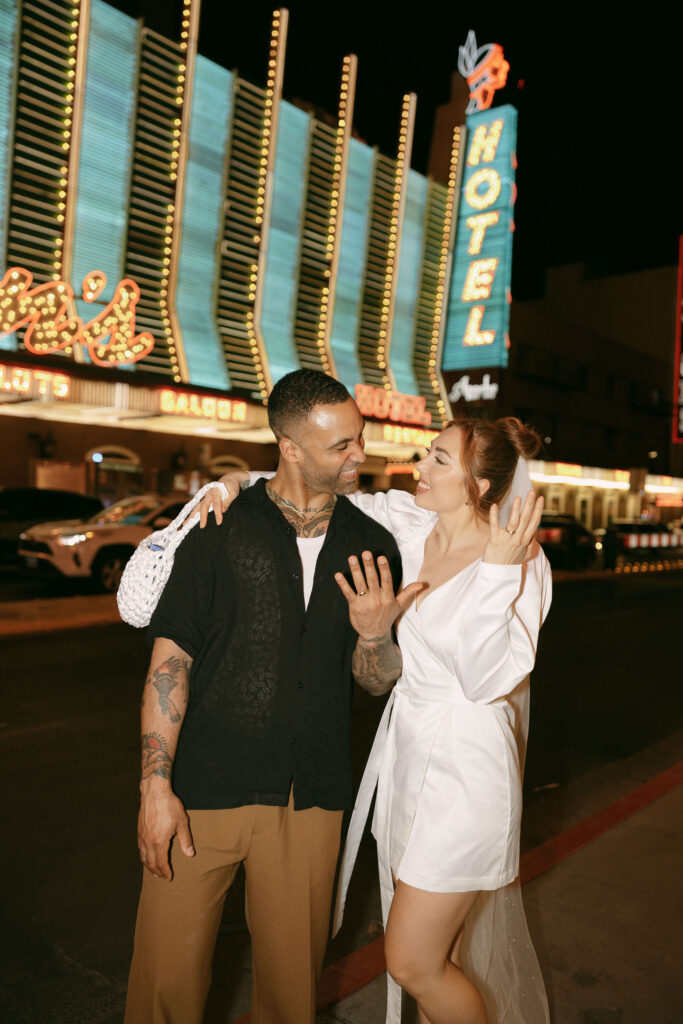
512 544
373 608
214 499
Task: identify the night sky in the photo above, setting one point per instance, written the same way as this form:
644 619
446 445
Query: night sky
599 101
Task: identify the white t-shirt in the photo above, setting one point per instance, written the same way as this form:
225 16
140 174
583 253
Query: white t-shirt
309 549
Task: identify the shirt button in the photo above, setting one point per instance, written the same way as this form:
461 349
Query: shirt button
299 685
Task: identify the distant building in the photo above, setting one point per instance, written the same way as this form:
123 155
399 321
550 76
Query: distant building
591 367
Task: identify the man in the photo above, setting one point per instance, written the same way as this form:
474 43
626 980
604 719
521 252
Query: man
245 721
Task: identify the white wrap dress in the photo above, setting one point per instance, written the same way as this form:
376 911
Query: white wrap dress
448 757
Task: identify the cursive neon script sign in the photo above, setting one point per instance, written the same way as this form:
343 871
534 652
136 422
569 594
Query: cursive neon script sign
462 388
43 312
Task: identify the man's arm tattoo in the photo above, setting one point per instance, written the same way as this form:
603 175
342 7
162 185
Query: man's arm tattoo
155 757
377 663
165 678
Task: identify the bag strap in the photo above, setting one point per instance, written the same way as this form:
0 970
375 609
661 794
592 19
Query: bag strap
176 531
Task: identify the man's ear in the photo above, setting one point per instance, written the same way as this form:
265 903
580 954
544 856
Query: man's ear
289 450
483 486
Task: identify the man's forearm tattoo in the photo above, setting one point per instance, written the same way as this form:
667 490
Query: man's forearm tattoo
377 663
155 757
165 678
308 522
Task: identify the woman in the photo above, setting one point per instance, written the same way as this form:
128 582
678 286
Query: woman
448 756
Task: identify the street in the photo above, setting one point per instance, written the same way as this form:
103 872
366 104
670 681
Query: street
606 686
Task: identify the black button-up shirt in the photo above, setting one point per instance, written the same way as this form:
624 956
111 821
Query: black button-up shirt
271 683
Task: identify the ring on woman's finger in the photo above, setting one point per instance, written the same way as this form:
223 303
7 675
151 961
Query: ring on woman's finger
509 531
362 593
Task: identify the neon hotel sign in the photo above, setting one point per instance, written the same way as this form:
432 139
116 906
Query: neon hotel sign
478 305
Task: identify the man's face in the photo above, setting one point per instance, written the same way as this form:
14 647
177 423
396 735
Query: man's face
331 445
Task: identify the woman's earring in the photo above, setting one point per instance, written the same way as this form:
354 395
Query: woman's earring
467 501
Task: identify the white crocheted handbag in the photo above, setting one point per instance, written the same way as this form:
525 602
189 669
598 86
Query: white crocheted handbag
147 572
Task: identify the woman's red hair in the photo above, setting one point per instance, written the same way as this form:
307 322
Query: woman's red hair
489 451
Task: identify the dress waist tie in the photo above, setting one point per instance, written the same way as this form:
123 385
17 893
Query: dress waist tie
361 810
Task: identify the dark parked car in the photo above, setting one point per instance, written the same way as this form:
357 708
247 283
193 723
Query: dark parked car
636 539
21 507
567 542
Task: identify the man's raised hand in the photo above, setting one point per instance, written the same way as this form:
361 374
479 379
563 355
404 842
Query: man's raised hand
373 606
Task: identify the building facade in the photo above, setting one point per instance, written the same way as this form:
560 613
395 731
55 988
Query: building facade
174 239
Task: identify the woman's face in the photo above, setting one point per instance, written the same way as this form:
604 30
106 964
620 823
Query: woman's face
441 487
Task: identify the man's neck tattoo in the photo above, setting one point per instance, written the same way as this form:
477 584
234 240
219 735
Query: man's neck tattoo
308 522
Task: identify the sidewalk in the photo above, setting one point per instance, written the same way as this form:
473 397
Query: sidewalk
47 614
605 917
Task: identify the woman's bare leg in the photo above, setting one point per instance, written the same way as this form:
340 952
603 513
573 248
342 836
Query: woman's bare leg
421 932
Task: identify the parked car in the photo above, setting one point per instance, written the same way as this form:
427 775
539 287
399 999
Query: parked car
567 543
642 538
100 547
22 507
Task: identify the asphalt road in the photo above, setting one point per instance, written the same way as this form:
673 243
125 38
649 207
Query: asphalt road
606 685
19 584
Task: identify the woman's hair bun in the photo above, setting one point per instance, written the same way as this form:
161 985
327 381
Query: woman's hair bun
524 439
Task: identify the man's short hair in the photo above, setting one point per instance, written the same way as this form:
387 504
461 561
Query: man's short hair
295 396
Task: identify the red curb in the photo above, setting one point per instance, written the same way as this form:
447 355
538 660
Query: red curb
557 849
347 975
351 973
6 734
356 970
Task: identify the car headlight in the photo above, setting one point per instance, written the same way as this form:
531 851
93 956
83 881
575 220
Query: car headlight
75 538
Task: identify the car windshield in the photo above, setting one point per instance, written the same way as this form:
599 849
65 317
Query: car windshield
130 510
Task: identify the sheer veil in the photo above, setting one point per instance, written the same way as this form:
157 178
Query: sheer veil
520 487
497 952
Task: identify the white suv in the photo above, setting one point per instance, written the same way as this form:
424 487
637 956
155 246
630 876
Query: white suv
99 547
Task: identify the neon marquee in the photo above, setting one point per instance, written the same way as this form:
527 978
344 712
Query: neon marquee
43 311
185 403
568 469
392 405
409 435
29 384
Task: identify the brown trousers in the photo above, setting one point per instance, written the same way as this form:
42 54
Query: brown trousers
290 859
